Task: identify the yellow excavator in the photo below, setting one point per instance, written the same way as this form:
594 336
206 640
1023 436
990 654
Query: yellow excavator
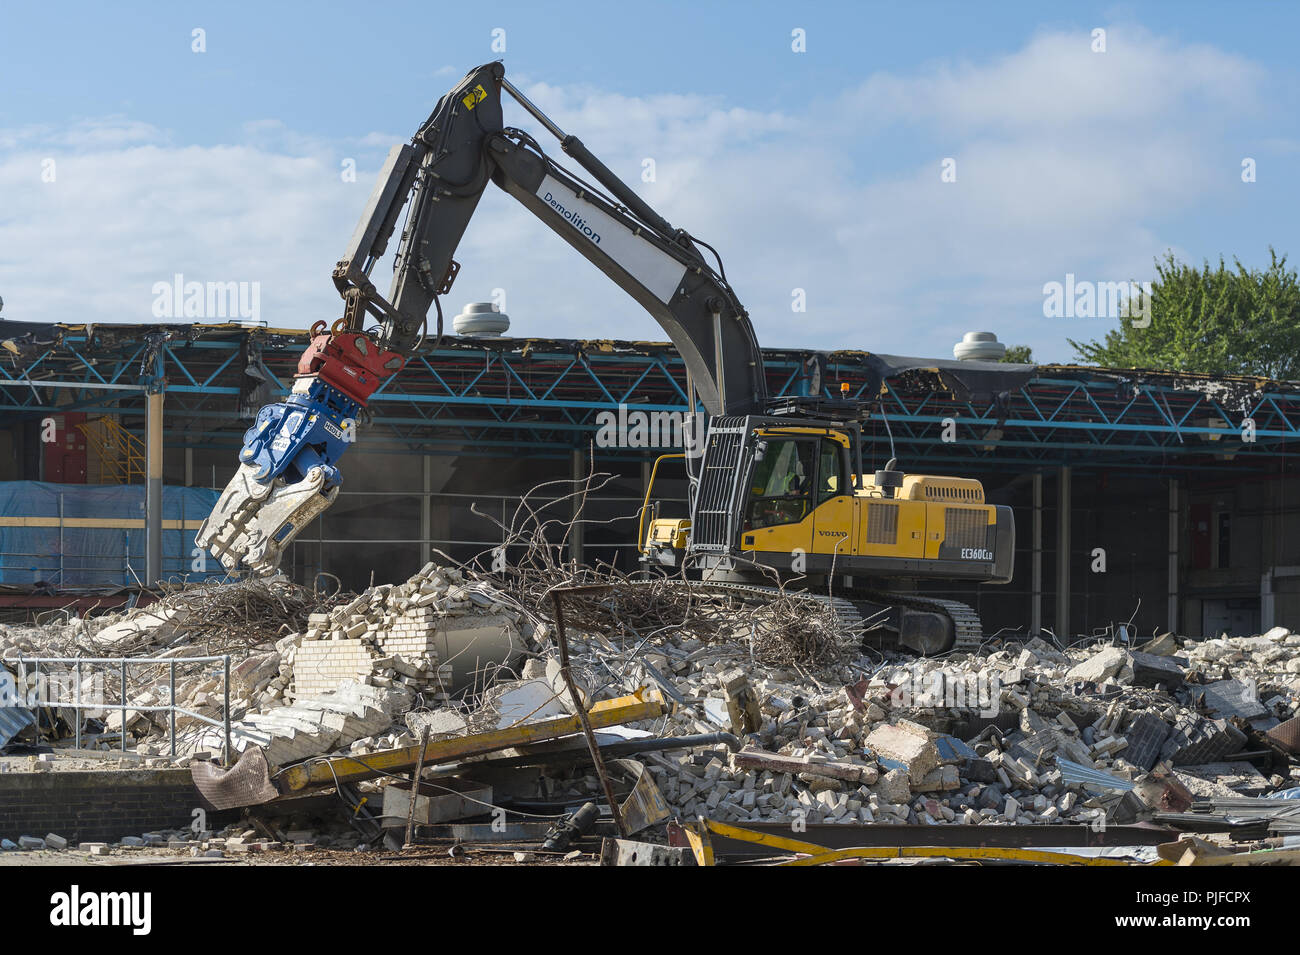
777 500
777 488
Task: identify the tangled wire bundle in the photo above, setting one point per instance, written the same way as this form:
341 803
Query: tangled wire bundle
215 618
783 629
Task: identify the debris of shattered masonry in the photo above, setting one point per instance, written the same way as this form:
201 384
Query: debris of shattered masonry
770 714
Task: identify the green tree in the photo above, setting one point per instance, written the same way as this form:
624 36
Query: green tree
1219 321
1019 354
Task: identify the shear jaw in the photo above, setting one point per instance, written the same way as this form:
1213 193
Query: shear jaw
253 523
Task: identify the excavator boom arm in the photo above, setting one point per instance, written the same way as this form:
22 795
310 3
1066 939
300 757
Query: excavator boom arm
287 473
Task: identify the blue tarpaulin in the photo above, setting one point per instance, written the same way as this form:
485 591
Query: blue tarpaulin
76 556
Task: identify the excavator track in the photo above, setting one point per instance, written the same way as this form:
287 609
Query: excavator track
967 630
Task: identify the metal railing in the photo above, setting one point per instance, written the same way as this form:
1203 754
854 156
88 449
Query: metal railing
122 664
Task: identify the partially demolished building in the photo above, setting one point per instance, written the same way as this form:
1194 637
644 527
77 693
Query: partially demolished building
1097 463
449 659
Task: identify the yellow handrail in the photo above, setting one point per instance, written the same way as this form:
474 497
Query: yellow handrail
641 545
119 452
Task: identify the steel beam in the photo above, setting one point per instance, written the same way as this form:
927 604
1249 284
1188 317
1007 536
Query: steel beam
153 496
1063 514
578 462
1172 609
544 395
1036 560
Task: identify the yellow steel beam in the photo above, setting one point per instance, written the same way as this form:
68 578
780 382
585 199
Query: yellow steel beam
645 704
819 855
963 854
701 844
111 523
769 839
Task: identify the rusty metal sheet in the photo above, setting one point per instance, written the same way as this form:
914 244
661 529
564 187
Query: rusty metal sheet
1287 735
247 783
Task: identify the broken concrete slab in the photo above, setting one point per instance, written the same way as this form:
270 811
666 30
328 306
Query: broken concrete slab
523 701
857 773
1227 698
251 676
1152 670
943 779
159 624
441 724
1099 667
1165 645
1220 780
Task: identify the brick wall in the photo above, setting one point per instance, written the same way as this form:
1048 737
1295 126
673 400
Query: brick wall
100 805
319 666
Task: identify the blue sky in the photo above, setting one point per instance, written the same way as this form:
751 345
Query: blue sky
817 170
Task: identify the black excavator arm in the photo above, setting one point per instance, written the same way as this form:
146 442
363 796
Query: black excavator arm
444 171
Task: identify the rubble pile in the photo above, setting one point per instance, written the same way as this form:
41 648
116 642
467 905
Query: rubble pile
243 619
347 681
802 723
1026 734
299 659
330 721
205 619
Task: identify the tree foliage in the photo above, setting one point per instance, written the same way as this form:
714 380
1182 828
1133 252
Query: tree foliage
1018 354
1217 321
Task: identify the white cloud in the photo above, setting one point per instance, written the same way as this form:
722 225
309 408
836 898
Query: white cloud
1067 161
1057 84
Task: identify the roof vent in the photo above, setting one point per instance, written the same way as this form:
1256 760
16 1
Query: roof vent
979 346
481 320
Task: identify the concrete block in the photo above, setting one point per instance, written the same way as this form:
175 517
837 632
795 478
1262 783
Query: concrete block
894 787
943 779
1146 734
1098 667
908 743
434 804
1150 669
1194 739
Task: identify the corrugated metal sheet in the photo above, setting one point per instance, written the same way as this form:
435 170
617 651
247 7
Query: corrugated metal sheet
13 720
1089 778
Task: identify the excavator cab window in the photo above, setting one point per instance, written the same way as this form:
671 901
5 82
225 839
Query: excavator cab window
783 481
832 474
